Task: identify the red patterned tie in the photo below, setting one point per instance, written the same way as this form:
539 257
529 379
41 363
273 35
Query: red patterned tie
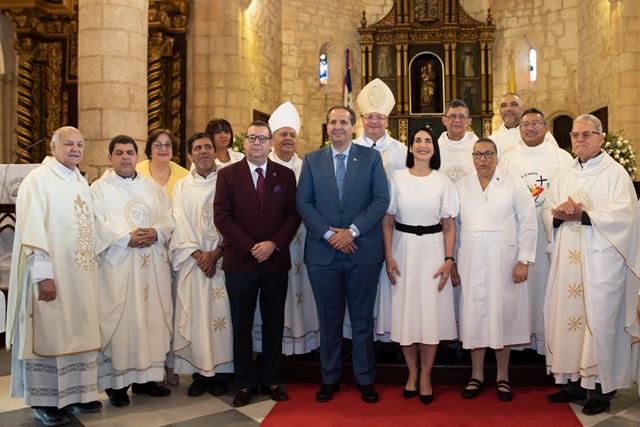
260 186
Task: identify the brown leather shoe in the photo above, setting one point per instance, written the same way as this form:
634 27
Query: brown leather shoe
276 393
244 396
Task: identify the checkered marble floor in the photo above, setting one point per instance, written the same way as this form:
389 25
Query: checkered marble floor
179 410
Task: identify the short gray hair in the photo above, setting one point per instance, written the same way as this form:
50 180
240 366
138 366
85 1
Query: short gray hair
590 118
55 139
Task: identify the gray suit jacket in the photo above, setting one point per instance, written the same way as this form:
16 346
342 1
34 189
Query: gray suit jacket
364 202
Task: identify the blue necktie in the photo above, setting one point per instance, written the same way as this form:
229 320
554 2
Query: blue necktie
340 173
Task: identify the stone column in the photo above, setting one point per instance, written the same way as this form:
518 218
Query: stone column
112 76
625 60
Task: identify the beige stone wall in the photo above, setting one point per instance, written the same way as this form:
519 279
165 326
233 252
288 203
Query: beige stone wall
112 76
305 31
588 55
235 57
623 79
551 28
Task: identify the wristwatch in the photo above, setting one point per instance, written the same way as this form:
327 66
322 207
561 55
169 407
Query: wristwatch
353 232
524 262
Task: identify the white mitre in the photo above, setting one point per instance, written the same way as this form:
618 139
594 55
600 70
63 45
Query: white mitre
376 97
285 116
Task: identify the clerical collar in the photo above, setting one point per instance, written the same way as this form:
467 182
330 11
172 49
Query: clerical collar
200 176
135 175
592 161
515 127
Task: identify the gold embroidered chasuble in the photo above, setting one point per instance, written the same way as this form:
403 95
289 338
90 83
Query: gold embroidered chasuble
54 215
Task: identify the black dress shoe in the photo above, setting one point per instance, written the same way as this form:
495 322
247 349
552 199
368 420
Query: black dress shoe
217 387
595 407
197 388
244 396
151 388
276 393
564 397
369 393
84 408
326 392
504 391
50 415
118 397
470 393
426 398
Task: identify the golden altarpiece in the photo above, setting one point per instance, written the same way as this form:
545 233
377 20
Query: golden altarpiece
430 52
46 45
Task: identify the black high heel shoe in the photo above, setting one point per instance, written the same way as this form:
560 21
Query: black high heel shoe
426 398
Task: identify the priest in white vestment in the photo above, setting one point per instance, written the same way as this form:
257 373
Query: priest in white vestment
134 224
456 148
593 283
52 321
301 326
507 137
456 144
537 162
376 101
202 330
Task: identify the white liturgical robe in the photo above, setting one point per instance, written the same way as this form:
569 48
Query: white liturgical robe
135 283
55 218
202 334
593 283
455 156
538 168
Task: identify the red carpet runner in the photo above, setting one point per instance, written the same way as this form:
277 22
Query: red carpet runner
529 407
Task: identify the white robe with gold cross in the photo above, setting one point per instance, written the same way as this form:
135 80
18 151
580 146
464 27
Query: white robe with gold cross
135 283
55 343
593 286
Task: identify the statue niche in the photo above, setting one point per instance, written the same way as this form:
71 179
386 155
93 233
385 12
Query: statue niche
426 84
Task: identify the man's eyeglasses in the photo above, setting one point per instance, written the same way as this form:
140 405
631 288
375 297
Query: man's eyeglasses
585 134
374 117
261 138
479 154
160 145
453 117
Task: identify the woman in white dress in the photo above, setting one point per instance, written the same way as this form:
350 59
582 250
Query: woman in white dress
498 235
419 239
222 133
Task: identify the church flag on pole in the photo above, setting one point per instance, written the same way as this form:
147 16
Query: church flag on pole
347 88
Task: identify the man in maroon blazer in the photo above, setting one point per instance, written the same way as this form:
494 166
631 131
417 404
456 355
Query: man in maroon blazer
255 211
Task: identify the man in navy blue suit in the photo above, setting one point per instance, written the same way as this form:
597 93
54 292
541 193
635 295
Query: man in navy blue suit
343 194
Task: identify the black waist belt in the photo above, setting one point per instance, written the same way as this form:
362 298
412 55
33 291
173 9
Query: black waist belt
419 229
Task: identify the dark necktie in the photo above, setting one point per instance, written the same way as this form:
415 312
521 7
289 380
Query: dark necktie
340 173
260 186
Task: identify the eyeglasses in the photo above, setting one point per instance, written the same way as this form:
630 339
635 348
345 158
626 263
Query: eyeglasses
479 154
453 117
536 125
585 134
374 117
160 145
261 138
